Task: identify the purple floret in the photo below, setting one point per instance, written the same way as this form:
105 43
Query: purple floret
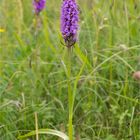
69 21
39 5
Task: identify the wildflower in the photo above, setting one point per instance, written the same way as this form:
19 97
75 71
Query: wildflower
136 75
39 5
69 21
2 30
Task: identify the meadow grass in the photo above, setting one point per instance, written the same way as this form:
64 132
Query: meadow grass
33 86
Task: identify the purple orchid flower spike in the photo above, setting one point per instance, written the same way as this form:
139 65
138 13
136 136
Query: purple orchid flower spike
39 5
69 21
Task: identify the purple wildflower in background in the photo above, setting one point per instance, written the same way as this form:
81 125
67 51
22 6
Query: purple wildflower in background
39 5
69 21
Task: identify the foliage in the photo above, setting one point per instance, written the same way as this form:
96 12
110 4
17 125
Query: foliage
33 79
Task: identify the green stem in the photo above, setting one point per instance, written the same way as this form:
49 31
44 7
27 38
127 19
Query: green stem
70 95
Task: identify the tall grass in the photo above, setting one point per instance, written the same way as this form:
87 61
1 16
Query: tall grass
106 104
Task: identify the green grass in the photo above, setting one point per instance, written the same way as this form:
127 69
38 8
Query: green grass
33 76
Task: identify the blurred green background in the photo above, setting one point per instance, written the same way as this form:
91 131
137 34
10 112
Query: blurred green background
33 79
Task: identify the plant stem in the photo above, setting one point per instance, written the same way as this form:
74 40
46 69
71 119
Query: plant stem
36 126
70 95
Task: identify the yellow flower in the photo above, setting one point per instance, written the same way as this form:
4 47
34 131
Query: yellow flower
2 30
